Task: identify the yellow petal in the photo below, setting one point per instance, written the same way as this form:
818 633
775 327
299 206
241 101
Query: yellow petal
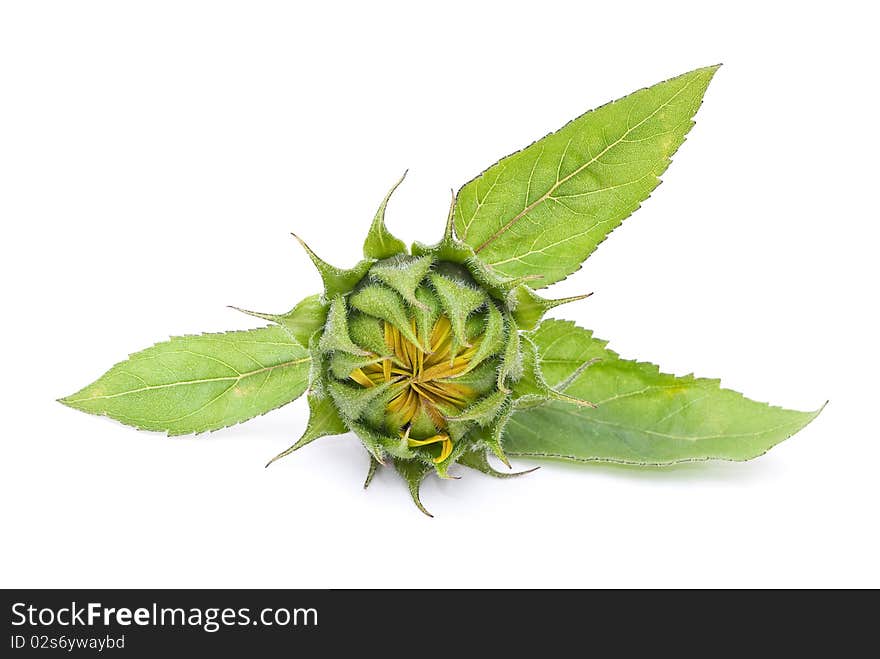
444 451
426 442
361 378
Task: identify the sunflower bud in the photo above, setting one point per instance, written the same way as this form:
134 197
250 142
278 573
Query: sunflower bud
415 359
421 355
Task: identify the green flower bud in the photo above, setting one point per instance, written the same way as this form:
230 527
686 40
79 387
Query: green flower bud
437 325
421 355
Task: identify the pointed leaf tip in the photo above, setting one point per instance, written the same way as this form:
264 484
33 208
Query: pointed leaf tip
544 209
413 472
200 383
307 317
496 448
337 281
380 243
271 317
657 418
371 471
529 307
479 461
449 231
323 420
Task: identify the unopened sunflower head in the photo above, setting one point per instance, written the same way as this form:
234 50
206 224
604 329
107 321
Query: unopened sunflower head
421 355
414 359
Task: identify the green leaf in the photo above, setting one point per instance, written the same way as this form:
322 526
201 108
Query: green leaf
371 440
493 339
381 302
302 321
193 384
371 471
532 387
335 336
413 472
404 274
492 437
499 286
479 461
343 363
643 416
529 307
543 210
531 384
337 281
353 400
459 300
420 427
484 410
378 444
427 312
512 359
323 420
367 331
380 244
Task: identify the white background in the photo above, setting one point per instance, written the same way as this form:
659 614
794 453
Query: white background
154 157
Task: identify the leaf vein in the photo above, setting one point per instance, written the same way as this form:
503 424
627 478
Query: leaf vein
577 170
225 378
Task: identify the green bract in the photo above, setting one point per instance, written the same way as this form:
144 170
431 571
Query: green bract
438 355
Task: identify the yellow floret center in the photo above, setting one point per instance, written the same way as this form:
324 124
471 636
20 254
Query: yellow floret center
422 380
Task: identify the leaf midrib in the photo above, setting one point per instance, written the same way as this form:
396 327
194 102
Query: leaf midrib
501 231
238 377
655 433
